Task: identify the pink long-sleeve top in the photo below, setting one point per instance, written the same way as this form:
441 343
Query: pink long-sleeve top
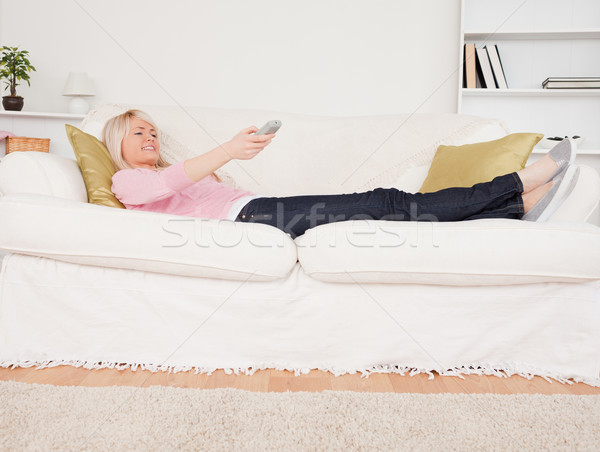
172 191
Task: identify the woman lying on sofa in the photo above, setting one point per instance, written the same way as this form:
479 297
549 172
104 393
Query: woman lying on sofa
144 181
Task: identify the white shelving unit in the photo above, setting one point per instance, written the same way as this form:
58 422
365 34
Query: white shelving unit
41 125
533 92
557 34
40 114
538 39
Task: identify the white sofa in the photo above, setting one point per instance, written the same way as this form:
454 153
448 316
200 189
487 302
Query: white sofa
96 286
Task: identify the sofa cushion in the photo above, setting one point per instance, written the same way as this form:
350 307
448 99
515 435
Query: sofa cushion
89 234
469 164
413 177
96 166
41 173
479 252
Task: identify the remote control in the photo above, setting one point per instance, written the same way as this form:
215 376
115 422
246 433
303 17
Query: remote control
270 127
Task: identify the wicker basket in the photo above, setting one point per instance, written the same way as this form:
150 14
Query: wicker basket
27 144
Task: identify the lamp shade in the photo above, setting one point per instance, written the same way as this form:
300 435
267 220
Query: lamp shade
78 84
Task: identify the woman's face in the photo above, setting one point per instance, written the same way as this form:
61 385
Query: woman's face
140 146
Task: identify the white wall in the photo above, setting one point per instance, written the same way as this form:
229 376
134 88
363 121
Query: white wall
333 57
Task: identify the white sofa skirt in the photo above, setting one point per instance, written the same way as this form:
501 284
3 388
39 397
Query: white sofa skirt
54 313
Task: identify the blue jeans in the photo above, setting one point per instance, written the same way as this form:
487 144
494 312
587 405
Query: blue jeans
499 198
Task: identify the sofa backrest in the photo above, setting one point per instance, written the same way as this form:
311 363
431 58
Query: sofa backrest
311 154
41 173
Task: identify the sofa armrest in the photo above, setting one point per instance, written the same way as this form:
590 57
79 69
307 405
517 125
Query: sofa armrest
41 173
583 200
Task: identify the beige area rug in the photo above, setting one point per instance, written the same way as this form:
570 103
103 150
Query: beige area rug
45 417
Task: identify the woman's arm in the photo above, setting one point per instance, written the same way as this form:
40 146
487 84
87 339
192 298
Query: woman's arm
142 186
244 146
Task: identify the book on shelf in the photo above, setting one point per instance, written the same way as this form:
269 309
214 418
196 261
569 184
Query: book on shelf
469 70
497 67
484 69
571 83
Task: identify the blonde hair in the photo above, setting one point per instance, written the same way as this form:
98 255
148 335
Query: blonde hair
117 128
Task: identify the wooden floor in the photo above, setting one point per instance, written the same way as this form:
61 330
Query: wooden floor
279 381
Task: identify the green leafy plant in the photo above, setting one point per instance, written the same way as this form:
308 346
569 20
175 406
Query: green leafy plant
14 67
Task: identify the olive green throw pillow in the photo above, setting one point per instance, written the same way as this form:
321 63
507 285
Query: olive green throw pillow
470 164
96 167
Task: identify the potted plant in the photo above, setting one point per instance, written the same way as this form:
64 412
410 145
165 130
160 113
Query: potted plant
14 67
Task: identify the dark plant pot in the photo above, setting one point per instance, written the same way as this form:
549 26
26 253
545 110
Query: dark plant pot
12 103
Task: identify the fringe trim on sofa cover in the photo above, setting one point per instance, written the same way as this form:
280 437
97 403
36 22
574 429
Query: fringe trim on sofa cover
498 370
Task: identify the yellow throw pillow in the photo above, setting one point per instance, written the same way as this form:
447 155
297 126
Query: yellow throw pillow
96 167
470 164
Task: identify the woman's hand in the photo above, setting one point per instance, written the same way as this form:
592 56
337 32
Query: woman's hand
246 145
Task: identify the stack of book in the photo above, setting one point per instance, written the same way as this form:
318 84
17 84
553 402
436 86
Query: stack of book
571 83
483 63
